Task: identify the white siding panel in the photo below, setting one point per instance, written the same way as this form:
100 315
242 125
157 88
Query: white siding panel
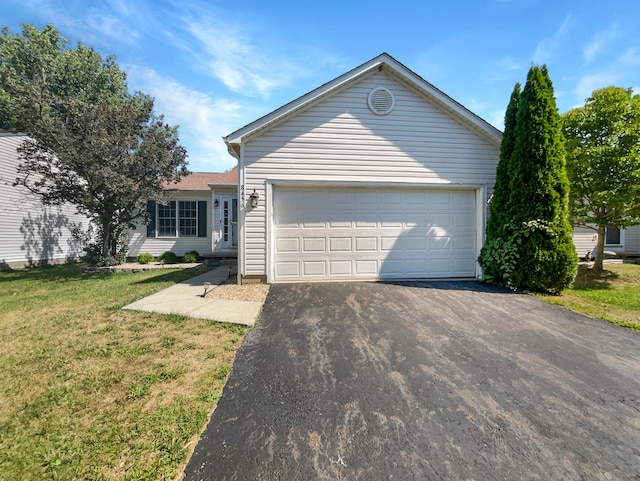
632 240
584 240
32 233
341 140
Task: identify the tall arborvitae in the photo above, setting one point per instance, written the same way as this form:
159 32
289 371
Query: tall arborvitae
499 207
492 255
539 191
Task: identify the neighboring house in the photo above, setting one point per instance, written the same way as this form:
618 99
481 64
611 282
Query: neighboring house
621 241
200 213
375 174
32 234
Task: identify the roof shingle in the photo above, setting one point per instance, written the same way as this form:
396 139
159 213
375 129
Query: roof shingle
201 180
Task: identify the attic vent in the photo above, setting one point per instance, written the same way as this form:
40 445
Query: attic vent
381 101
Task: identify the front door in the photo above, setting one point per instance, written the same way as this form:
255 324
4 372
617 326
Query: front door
229 219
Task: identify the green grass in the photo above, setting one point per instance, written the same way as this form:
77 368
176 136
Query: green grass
91 392
614 296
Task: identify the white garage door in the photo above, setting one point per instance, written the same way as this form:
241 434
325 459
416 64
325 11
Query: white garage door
373 233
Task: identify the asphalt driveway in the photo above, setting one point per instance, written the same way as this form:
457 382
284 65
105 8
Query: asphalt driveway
425 381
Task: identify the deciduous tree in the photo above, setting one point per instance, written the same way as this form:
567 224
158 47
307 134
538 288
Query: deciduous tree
91 143
603 162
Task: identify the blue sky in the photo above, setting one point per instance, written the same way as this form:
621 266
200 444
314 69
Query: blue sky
215 66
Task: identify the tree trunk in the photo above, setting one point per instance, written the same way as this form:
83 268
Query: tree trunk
107 241
597 264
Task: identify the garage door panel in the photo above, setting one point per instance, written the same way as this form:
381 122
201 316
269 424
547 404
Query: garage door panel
313 220
366 220
366 244
391 197
391 268
440 220
314 268
415 243
415 219
365 197
288 269
390 243
464 243
415 199
340 268
339 220
464 267
439 243
463 198
440 198
340 244
313 244
366 267
416 267
462 220
373 233
391 219
287 244
440 266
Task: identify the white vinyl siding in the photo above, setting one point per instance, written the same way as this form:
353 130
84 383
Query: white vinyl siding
32 233
340 140
632 240
584 240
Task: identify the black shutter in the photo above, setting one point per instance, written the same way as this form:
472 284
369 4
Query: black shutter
151 212
202 218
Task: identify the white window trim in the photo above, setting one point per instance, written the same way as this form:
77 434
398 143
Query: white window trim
177 230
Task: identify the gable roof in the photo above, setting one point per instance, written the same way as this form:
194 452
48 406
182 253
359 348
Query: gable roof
204 180
390 65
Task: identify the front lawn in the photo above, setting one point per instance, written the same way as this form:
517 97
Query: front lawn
613 297
91 392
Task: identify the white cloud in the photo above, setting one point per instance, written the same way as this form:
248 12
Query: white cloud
476 106
630 57
496 118
508 63
203 120
589 83
599 42
112 27
547 47
233 57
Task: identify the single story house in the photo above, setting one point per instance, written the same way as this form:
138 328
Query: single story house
32 234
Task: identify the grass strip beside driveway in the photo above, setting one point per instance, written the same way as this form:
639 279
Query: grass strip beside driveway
91 392
614 296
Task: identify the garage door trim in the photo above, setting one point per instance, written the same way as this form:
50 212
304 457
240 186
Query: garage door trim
272 185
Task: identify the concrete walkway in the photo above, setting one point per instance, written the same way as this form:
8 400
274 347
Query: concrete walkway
187 299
